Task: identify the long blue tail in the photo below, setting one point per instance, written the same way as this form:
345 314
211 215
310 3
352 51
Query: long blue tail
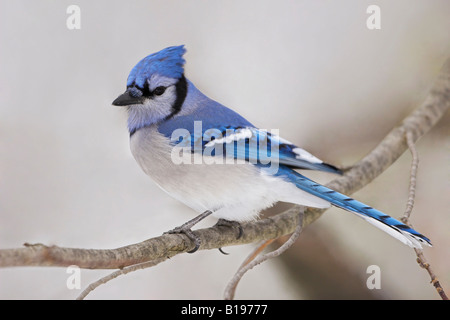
377 218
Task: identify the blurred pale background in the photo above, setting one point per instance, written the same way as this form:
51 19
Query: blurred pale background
309 68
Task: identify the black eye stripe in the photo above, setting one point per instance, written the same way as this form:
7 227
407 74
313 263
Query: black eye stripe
145 91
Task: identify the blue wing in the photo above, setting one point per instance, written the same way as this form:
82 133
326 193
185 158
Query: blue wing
248 143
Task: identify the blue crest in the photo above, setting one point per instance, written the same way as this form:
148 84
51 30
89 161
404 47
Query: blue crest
167 62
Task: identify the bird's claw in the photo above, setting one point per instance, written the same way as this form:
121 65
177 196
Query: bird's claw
185 228
190 234
231 224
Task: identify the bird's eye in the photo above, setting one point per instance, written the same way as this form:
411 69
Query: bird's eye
159 90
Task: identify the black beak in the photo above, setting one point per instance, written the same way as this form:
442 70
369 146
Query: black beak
126 99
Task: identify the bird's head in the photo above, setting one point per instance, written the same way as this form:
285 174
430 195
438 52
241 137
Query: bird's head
156 88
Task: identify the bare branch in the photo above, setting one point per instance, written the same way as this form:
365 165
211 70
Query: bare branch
363 172
409 206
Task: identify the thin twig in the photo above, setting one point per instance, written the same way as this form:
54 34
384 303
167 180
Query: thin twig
409 206
247 265
117 273
413 176
230 290
434 281
259 248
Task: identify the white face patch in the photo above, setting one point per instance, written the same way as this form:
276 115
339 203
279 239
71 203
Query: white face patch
154 108
161 105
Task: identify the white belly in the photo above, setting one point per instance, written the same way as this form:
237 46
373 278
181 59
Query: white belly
233 191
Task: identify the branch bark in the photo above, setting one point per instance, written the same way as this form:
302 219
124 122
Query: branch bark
363 172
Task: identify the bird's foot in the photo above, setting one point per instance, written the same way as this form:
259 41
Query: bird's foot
231 224
185 228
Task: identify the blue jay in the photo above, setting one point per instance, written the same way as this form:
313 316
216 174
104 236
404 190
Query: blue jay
172 123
